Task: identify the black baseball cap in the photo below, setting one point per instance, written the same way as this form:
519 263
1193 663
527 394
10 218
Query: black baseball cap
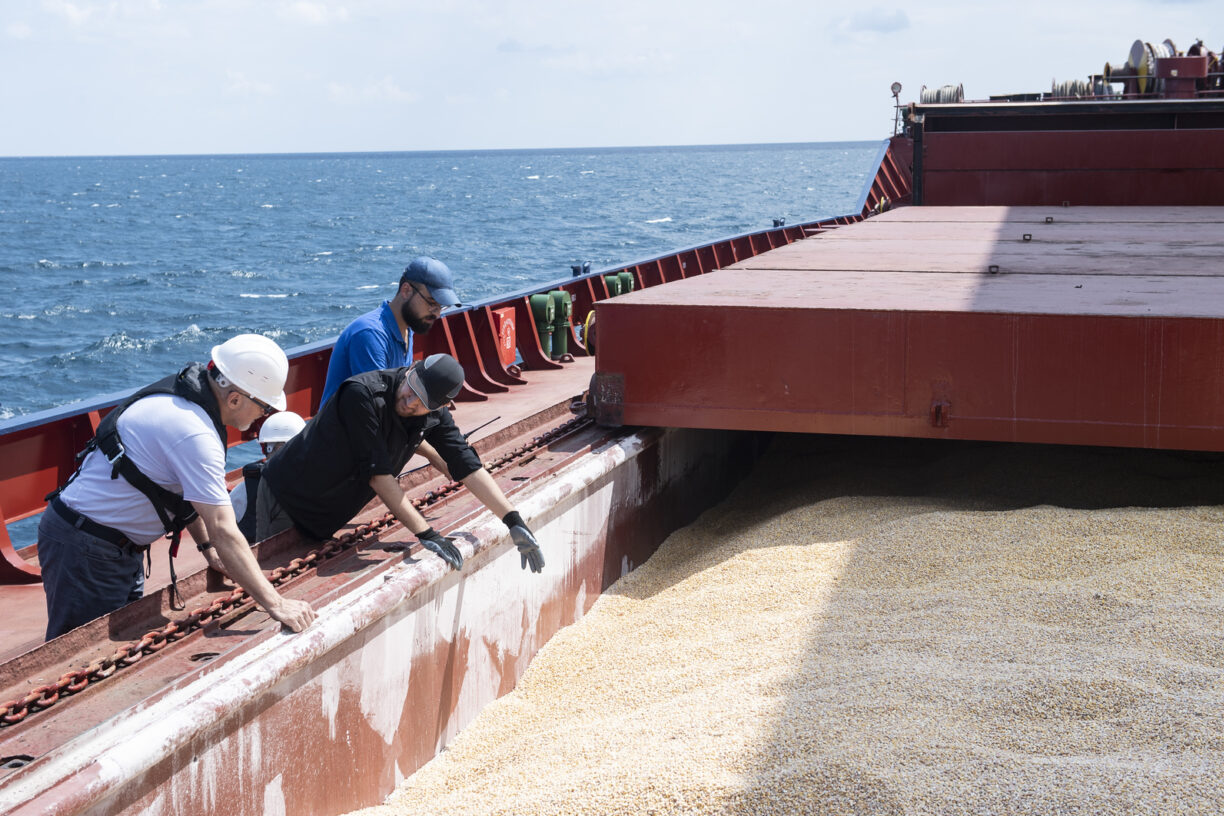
436 380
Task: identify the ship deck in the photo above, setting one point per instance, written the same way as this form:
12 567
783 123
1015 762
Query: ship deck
501 418
1081 325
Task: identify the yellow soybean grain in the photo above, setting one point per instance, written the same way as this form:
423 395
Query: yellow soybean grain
888 628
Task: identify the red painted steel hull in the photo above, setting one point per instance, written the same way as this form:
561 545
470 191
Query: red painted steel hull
1154 383
1131 153
873 330
1128 168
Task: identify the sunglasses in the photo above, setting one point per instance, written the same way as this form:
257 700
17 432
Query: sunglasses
425 296
267 409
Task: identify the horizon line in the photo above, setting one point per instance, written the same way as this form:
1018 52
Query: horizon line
247 154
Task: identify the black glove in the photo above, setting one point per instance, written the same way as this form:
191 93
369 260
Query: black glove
442 547
528 547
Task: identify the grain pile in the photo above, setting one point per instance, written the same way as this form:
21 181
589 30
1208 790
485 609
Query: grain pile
884 627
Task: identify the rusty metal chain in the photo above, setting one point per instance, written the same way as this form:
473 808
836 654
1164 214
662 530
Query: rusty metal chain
45 696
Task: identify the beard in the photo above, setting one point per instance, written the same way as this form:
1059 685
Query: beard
419 325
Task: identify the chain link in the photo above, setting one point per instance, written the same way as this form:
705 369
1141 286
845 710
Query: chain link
43 697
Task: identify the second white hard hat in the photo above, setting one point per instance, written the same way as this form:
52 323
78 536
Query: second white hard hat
256 365
280 427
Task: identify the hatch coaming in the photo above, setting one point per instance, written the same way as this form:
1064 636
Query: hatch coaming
1110 153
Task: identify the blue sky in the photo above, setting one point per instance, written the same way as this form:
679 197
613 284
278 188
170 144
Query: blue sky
221 76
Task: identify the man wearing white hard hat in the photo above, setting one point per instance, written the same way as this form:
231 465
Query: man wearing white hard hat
273 434
155 468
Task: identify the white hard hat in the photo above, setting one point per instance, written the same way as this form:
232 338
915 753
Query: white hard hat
256 365
280 427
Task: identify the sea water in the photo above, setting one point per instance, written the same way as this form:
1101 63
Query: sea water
116 271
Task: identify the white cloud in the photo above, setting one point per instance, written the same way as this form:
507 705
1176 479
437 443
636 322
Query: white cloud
879 20
85 11
610 64
384 90
72 12
18 31
239 84
313 13
136 7
513 46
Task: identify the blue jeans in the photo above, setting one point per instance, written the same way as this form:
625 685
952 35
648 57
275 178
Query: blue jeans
84 577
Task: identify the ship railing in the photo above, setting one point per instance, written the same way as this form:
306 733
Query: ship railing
38 451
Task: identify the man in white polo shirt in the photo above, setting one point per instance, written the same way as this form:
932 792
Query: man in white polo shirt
157 467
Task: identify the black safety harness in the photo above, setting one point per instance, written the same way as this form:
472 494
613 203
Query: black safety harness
174 511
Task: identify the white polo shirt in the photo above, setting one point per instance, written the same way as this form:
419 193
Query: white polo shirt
173 442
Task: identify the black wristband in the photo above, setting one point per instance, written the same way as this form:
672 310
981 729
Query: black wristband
203 545
512 519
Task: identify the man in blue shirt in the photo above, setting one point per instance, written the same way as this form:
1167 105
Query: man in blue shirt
383 338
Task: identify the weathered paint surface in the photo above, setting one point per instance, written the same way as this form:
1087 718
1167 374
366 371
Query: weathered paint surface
333 718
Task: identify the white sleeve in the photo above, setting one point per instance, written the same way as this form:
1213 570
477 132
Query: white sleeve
238 498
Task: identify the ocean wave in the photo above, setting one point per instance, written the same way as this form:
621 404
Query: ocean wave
253 295
663 220
66 308
45 263
123 346
120 342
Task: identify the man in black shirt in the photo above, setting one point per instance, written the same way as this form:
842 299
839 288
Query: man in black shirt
357 445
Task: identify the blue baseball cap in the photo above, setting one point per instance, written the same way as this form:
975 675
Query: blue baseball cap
436 276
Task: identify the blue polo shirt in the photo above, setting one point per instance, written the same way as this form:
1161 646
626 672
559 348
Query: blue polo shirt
371 342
